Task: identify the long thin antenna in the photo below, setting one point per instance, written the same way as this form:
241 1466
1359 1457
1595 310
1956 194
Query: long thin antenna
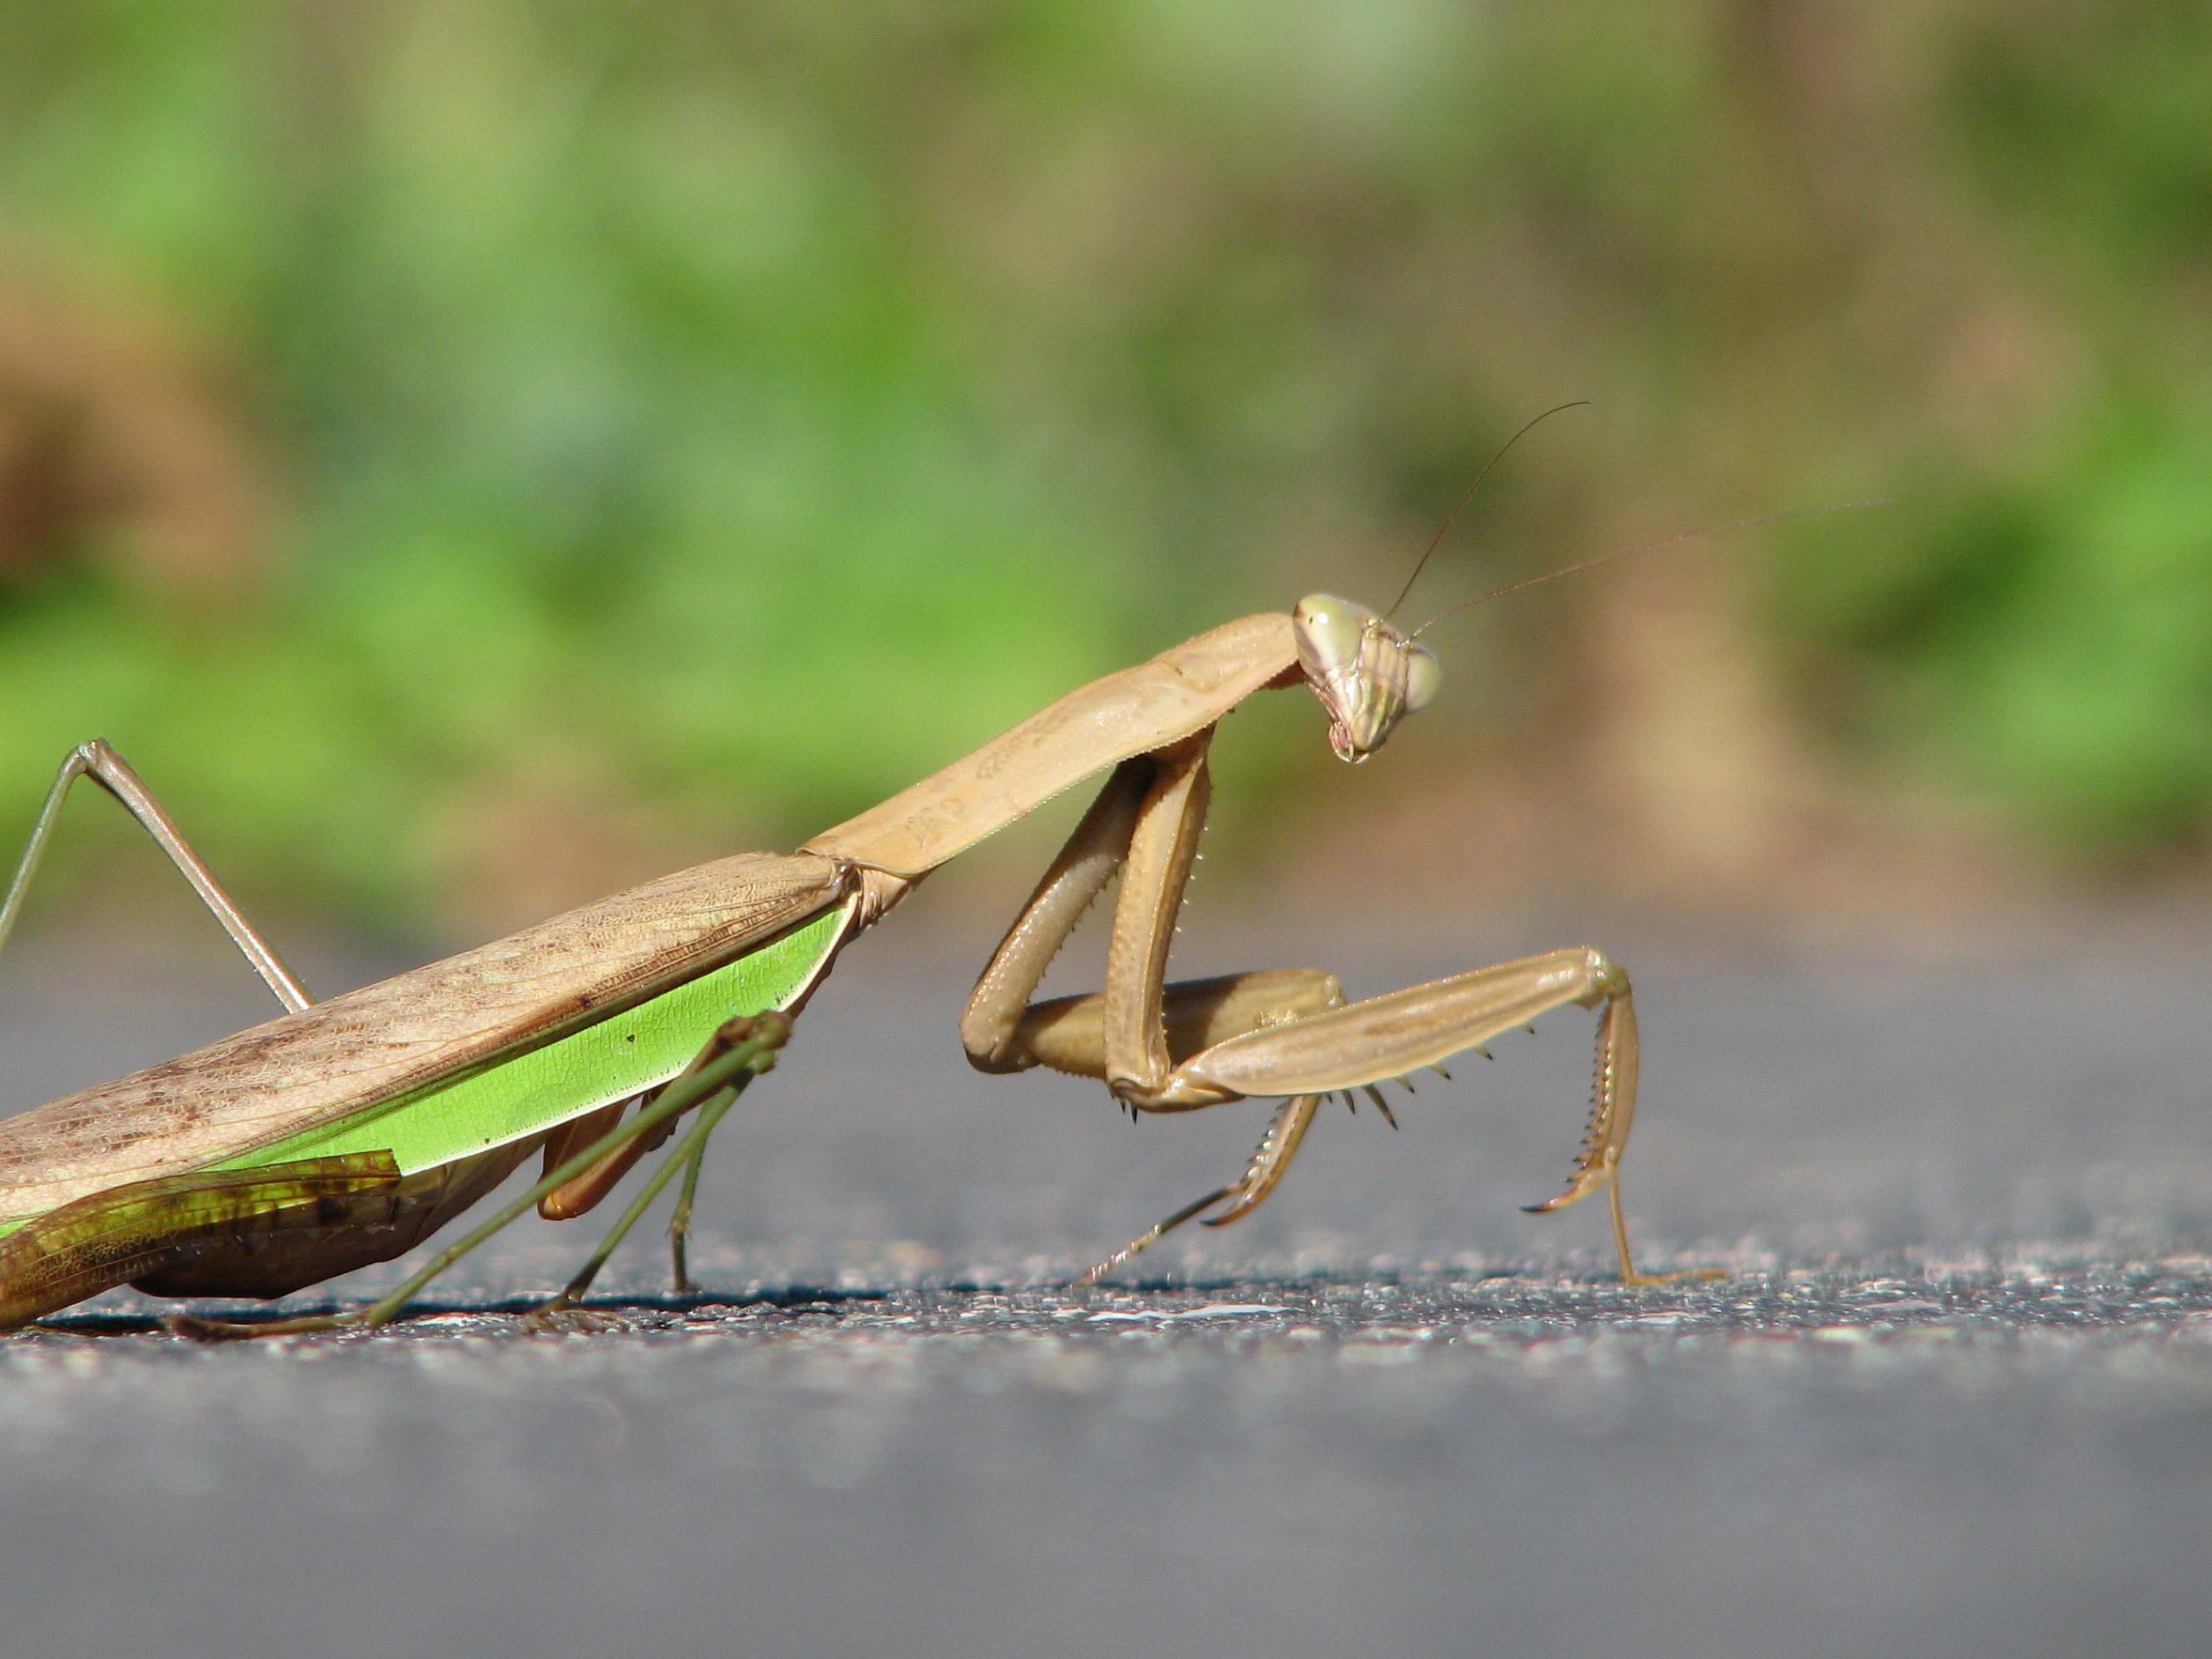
1646 547
1467 495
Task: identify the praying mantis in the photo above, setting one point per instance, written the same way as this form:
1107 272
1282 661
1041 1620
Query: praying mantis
346 1132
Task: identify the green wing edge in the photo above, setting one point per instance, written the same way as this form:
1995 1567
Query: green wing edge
510 1097
515 1095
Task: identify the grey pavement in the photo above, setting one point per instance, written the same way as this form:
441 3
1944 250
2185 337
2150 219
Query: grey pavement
1956 1398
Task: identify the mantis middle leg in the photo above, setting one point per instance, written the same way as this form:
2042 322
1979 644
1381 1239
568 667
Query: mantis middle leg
738 1052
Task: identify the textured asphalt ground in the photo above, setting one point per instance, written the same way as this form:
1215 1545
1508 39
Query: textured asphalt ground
1956 1399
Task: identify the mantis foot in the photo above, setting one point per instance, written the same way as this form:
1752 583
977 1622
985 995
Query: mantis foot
558 1317
200 1329
1636 1280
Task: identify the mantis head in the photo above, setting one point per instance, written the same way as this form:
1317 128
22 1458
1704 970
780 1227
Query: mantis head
1368 674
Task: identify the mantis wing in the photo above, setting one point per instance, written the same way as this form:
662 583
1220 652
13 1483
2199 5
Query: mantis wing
463 1055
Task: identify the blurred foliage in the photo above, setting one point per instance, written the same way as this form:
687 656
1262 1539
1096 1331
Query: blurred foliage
716 416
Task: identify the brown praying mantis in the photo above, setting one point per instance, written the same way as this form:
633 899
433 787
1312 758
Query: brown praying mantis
345 1132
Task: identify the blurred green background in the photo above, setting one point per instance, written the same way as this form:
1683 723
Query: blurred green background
468 452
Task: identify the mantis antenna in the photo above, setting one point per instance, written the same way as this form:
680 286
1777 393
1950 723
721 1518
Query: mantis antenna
1645 547
1467 495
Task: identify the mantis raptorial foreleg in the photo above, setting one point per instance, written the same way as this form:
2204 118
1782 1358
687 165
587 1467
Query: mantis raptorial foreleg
1423 1025
1346 1047
990 1024
1162 849
1288 1035
1003 1030
96 761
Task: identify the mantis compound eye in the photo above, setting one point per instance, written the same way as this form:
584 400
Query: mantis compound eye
1329 633
1424 676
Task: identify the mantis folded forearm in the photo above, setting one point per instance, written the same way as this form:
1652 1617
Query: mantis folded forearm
346 1132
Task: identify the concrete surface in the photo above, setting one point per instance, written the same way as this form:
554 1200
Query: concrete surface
1958 1398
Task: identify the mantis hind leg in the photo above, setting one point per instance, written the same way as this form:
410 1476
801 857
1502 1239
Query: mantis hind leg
739 1051
95 760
